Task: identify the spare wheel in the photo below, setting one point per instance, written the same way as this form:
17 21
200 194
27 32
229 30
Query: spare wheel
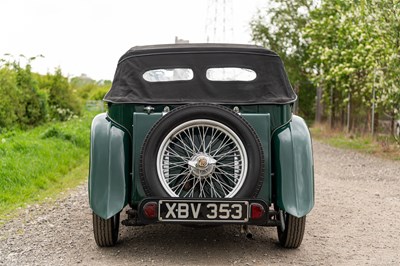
202 151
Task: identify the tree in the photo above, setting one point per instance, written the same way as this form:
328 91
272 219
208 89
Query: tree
63 104
24 103
8 90
280 28
349 43
385 17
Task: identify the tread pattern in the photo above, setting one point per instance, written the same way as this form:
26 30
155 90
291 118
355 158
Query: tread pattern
105 230
294 232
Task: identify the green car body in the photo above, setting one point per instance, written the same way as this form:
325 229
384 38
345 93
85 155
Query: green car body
118 136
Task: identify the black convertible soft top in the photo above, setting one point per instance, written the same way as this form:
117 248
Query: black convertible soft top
271 86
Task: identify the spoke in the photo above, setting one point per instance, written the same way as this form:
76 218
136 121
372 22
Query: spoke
227 179
208 148
213 139
175 164
227 175
174 177
191 191
225 184
203 142
212 188
181 183
213 152
176 154
183 166
185 147
191 139
224 143
232 165
201 189
200 138
194 141
224 189
174 169
172 182
223 155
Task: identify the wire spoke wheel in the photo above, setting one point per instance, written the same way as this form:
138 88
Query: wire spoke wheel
202 151
202 158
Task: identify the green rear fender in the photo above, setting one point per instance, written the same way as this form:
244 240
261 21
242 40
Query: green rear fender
293 167
109 173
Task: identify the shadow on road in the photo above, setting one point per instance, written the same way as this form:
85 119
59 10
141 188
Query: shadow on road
175 244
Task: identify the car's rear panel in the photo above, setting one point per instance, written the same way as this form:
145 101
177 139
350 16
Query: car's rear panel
264 119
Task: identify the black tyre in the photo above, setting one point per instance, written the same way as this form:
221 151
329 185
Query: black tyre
293 234
105 230
202 150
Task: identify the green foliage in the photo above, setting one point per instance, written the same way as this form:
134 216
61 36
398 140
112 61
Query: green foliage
306 94
62 102
354 49
99 93
279 28
8 94
88 89
349 49
37 160
24 105
30 99
340 52
384 18
58 133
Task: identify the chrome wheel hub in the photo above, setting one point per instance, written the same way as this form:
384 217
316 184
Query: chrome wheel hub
202 165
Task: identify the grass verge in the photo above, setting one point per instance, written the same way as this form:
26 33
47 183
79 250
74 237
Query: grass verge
381 146
40 163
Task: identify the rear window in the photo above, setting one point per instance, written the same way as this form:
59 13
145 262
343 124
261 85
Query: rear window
230 74
170 74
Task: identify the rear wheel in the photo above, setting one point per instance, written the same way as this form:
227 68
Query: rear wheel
293 234
105 230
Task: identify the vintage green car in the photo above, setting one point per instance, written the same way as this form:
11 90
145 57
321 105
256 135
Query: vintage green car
200 134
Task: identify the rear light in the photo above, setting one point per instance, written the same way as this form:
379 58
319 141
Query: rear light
257 211
150 210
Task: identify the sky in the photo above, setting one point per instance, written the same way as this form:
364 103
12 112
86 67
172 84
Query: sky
89 36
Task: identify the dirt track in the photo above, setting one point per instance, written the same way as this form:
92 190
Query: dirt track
356 221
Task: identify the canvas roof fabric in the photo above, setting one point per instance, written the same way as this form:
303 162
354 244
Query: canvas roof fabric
271 85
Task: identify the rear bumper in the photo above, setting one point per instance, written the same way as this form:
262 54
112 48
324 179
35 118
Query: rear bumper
202 211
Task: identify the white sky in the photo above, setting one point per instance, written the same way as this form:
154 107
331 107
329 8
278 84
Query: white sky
89 36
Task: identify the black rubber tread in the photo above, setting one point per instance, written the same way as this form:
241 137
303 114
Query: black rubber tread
294 231
183 110
105 230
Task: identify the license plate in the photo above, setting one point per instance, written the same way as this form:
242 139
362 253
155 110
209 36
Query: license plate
203 211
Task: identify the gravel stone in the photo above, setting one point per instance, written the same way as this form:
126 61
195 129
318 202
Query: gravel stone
355 221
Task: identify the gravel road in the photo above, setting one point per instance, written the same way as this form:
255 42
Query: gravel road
356 221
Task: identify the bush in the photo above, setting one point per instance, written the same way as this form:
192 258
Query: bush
23 105
99 93
29 99
63 104
8 98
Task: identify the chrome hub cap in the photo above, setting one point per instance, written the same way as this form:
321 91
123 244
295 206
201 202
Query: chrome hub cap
202 165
